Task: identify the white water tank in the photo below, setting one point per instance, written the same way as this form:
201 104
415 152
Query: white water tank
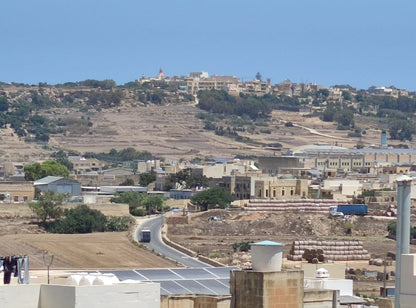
266 256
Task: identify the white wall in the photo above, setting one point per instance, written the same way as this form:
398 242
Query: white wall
344 286
123 295
408 281
19 296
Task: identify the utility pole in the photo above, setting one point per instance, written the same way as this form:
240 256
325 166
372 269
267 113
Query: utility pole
402 230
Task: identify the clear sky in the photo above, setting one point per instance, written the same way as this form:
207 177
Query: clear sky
356 42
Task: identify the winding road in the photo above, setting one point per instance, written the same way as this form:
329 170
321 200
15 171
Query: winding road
157 244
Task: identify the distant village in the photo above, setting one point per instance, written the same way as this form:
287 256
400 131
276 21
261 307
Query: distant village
317 178
197 81
316 171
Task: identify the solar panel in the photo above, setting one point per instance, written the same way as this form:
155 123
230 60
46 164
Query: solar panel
193 273
158 274
216 286
172 287
125 275
195 286
222 272
225 281
210 280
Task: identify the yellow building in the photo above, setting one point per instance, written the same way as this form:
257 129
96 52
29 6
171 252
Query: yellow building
12 192
281 189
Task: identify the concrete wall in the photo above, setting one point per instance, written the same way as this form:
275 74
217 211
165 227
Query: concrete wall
408 281
143 295
251 289
320 299
194 301
57 296
20 296
345 286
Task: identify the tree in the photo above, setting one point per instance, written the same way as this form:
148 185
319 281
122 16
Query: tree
401 129
153 203
127 182
187 179
344 117
132 198
143 202
81 219
211 198
62 158
4 105
48 206
147 177
37 171
329 113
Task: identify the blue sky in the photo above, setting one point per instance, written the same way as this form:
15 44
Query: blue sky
356 42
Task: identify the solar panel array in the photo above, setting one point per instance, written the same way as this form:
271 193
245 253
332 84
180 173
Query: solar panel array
178 281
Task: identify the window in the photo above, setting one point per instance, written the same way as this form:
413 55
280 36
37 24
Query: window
16 198
25 198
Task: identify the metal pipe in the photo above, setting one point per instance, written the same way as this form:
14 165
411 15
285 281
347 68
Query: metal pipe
402 229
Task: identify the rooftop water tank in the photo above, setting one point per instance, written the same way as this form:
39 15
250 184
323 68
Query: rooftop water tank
266 256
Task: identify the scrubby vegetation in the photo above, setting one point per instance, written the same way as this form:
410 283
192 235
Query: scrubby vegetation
140 204
82 219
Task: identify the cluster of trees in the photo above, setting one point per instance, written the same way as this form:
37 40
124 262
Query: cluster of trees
147 177
126 154
219 101
343 115
215 197
24 119
62 158
106 84
186 179
37 171
105 99
81 219
140 204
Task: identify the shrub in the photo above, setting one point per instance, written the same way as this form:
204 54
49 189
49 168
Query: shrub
242 246
117 224
138 212
82 219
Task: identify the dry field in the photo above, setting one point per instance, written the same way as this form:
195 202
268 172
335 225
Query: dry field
110 250
101 250
174 131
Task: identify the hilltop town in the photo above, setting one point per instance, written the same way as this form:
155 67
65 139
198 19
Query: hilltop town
287 154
